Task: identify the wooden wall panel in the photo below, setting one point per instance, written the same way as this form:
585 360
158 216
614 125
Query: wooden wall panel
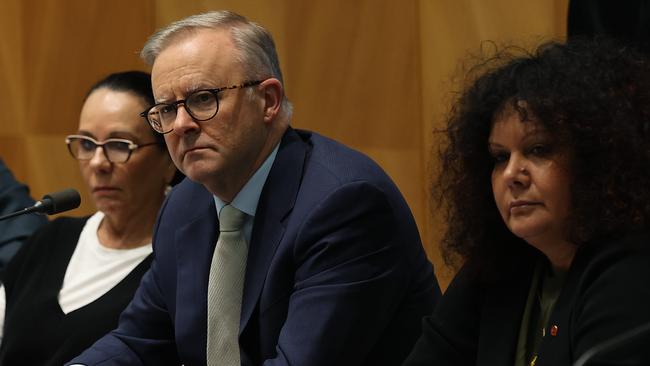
12 103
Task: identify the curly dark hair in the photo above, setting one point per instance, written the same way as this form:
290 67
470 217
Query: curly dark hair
593 96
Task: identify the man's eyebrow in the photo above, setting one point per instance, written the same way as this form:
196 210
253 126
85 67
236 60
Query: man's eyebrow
189 90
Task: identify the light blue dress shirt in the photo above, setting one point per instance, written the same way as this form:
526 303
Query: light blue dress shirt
246 200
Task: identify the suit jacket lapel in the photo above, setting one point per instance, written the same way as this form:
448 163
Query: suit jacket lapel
276 201
195 242
501 318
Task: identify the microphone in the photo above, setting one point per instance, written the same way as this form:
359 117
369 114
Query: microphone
51 204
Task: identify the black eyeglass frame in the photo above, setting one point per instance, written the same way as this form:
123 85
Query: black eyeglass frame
145 114
132 146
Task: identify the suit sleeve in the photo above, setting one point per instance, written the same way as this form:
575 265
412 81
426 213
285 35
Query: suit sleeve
450 334
614 299
353 259
20 263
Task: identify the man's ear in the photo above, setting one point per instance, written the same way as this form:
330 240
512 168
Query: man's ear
273 94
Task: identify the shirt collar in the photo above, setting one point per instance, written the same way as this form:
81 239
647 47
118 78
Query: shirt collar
248 197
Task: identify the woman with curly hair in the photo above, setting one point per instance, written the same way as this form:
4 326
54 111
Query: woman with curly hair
545 185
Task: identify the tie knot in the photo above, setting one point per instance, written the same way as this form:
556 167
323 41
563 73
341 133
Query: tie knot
231 219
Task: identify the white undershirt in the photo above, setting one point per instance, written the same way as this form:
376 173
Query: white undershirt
93 269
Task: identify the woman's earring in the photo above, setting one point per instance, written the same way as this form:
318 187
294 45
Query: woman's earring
168 189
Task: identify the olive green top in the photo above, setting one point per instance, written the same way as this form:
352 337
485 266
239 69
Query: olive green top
544 290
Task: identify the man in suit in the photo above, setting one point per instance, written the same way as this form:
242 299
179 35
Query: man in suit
334 272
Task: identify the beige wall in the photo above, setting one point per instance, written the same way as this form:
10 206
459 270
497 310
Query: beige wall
374 74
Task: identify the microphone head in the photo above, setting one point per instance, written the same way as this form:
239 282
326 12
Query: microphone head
61 201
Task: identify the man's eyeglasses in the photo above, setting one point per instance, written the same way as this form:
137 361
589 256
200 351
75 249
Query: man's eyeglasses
201 105
116 150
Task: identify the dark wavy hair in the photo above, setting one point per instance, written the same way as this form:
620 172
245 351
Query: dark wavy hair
138 83
593 96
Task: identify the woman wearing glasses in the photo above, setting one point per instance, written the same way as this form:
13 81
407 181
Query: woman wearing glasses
69 283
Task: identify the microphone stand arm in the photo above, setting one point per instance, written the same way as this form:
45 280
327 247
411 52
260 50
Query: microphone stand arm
26 210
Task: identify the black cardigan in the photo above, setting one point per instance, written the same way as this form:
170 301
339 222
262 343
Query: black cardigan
36 331
607 292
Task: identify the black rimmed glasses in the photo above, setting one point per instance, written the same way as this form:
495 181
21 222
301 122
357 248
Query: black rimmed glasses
201 105
115 150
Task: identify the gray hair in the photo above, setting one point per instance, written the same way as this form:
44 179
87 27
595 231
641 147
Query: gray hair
255 46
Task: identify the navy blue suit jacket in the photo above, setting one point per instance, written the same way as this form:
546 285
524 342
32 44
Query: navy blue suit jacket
14 196
336 273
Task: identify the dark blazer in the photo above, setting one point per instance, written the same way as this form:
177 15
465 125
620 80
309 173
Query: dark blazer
36 331
336 273
606 293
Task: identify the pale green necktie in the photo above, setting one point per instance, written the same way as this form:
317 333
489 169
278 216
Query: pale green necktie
225 289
